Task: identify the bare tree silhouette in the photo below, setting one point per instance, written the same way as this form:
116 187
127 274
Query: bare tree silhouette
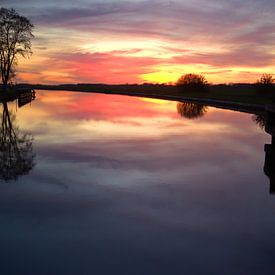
15 40
265 85
191 110
16 151
266 79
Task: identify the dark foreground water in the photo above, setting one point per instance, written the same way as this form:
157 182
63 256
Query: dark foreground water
123 185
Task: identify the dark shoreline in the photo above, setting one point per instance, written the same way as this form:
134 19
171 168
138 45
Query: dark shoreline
239 97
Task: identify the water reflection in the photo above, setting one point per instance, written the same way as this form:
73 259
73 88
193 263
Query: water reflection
16 149
265 120
260 120
191 110
135 173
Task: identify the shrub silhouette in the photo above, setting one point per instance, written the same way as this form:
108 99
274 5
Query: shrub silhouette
191 110
192 82
265 84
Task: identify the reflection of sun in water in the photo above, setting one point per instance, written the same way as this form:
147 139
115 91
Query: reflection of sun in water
161 105
155 100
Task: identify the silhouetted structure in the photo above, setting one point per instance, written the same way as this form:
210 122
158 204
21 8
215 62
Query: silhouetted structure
16 153
25 96
269 166
191 110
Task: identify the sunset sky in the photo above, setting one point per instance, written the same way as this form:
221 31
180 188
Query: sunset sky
132 41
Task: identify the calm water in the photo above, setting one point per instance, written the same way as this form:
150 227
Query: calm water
124 185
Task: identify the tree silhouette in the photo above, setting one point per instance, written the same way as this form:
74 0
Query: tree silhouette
192 82
191 110
266 79
16 153
265 84
15 39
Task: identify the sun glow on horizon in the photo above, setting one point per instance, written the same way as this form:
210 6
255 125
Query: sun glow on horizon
137 42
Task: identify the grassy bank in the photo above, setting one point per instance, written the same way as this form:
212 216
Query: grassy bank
247 94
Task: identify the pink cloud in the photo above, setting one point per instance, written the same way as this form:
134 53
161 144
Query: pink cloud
110 67
241 56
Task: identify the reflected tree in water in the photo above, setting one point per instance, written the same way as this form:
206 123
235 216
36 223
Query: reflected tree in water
16 151
260 120
191 110
266 121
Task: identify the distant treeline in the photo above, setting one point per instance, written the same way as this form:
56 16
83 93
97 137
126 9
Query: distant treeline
142 88
103 87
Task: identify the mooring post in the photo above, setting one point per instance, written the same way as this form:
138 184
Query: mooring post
269 166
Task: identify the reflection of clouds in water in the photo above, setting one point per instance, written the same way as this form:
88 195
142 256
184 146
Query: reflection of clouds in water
100 116
105 196
118 143
174 190
180 157
102 107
